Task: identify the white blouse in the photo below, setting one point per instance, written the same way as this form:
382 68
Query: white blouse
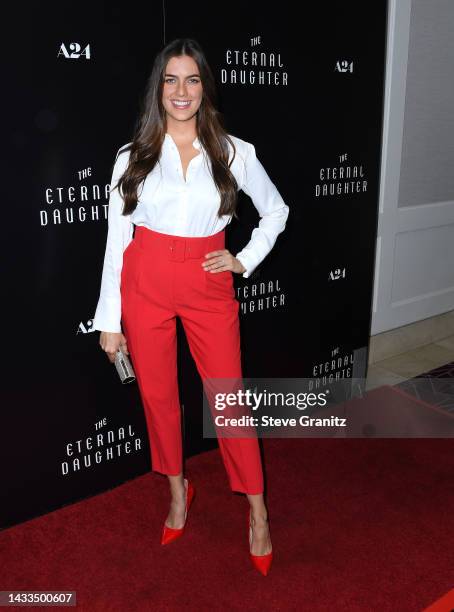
170 204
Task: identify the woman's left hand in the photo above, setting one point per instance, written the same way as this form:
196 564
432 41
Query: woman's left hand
219 261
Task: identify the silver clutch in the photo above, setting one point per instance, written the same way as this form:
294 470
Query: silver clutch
124 367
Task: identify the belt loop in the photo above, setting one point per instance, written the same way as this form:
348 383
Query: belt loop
177 249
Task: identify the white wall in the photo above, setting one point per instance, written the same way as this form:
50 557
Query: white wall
414 273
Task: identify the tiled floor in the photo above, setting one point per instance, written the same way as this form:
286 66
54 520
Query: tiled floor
406 365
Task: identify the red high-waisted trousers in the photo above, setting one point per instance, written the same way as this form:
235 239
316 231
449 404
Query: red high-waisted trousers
162 277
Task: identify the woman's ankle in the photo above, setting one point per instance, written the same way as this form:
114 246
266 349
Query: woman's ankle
177 486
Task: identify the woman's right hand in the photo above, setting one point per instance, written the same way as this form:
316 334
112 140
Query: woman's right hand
110 343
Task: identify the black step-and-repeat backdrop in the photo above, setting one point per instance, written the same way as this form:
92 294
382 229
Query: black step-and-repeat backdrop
305 88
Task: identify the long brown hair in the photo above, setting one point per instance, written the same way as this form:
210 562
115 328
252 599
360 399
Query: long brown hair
150 130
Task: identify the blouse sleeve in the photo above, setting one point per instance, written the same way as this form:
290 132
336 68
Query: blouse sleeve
271 207
119 235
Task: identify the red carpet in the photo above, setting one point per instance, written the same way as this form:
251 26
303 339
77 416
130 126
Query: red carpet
357 525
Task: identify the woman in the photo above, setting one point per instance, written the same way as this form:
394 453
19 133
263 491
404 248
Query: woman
189 171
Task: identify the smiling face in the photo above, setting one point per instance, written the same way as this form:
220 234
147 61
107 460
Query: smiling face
182 89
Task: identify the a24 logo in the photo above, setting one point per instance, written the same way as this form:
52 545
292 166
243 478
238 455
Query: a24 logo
75 51
344 66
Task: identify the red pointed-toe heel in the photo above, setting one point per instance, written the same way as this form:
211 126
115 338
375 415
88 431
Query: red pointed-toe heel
169 534
261 562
